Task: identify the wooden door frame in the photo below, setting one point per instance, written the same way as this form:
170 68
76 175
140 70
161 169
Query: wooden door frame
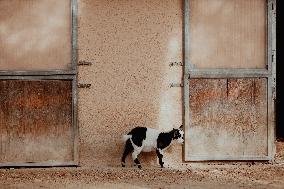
269 73
55 75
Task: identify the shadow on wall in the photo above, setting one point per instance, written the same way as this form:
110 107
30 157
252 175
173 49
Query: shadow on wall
279 118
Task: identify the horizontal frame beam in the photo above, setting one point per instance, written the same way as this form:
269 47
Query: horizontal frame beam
39 164
37 77
37 73
227 158
228 73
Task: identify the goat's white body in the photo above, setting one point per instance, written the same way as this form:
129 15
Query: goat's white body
150 143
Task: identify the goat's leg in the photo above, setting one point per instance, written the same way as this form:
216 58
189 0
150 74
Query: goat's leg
160 156
127 149
135 154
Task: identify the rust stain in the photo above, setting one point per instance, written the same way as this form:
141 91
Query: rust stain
226 110
253 92
35 115
206 93
227 87
35 101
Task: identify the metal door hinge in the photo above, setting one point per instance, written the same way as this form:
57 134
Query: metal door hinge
274 93
274 89
175 64
273 56
176 85
273 8
80 85
84 63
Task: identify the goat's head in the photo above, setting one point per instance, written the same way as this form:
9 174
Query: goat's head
179 134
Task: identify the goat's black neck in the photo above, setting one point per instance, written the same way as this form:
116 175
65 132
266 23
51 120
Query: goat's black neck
165 139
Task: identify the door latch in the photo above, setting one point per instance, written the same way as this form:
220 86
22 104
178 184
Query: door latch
175 64
176 85
87 86
84 63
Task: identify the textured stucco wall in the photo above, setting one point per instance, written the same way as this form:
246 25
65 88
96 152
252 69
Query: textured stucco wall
131 43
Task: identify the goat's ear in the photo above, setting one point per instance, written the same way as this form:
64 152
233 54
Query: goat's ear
181 127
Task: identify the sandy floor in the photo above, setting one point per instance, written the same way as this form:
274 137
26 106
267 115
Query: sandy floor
197 176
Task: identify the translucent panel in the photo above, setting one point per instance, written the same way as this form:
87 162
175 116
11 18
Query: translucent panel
35 35
227 33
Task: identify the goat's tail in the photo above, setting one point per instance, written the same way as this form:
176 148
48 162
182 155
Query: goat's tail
126 137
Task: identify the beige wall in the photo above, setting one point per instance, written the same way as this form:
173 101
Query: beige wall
131 43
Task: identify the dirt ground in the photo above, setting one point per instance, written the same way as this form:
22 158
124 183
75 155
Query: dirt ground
254 175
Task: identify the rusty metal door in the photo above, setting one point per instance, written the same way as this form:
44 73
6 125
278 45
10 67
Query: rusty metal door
229 79
38 83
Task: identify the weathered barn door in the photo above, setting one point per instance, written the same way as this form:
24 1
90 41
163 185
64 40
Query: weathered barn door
229 79
38 83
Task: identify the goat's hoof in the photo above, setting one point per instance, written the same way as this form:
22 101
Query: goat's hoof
139 166
123 165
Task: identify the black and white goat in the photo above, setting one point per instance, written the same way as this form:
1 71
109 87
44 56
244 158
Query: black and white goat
143 139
